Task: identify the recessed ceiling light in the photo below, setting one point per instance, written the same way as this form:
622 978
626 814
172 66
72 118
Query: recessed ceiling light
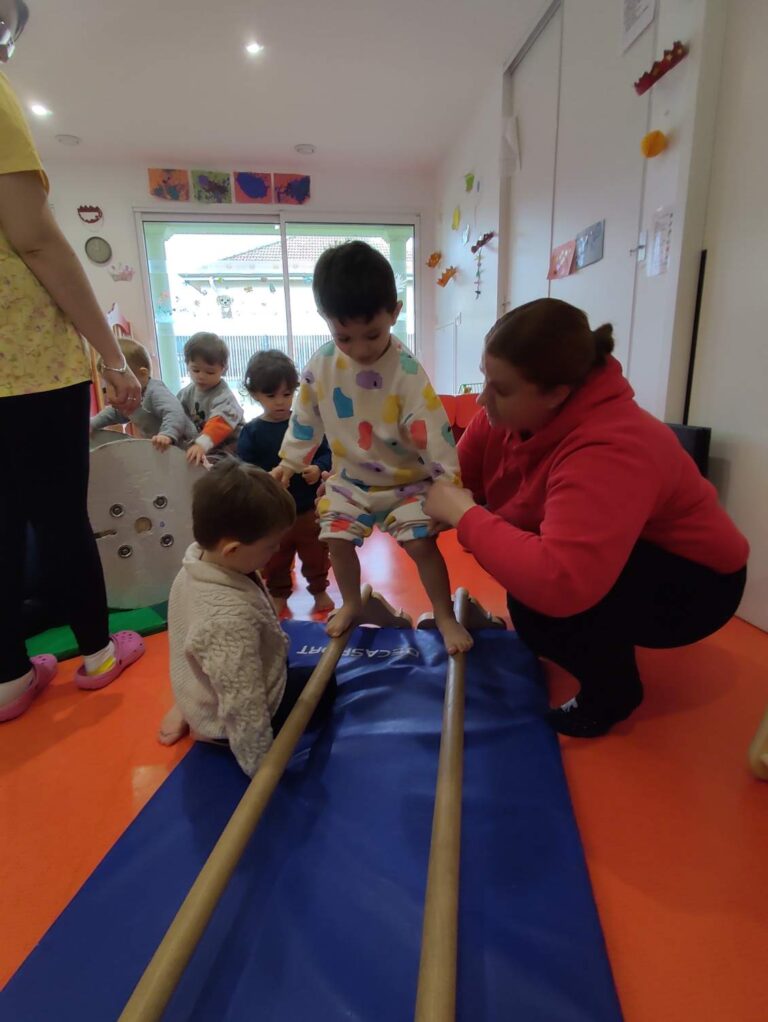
39 110
306 148
68 139
253 48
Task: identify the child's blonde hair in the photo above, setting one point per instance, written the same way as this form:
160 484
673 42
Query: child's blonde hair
134 353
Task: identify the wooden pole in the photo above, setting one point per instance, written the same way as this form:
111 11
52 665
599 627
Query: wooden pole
161 977
436 995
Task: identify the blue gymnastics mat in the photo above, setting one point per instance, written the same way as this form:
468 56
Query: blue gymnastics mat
322 920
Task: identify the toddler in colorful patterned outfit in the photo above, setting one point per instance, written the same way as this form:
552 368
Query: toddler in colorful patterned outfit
388 432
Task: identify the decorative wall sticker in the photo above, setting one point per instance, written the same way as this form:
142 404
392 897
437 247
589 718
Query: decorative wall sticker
670 59
90 214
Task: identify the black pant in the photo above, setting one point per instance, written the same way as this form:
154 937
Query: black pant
660 601
294 685
45 484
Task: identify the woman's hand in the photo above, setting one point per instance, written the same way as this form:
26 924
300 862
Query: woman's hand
447 504
125 391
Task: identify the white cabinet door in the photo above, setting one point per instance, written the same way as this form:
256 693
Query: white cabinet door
530 99
599 165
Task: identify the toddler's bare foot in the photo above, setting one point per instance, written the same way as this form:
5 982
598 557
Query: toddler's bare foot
173 727
343 618
323 604
281 605
455 636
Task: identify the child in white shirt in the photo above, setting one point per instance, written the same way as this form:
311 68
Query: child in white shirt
228 653
386 427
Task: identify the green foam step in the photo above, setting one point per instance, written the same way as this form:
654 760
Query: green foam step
61 642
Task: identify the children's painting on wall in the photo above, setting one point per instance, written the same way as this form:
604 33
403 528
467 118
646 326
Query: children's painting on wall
252 187
169 184
212 185
291 189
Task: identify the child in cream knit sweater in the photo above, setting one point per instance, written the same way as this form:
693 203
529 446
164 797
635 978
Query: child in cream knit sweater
229 669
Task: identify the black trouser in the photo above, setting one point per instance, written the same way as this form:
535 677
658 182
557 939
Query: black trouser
660 601
44 483
295 684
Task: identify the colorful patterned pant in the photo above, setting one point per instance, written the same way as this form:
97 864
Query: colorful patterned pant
350 511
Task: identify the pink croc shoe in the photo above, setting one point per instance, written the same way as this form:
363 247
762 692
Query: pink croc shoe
129 646
44 669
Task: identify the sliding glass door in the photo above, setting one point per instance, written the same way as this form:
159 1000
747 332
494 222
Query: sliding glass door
230 275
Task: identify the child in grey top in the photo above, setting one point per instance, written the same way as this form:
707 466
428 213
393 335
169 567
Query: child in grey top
208 400
160 416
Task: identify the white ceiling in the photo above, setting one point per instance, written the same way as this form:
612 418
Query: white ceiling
168 82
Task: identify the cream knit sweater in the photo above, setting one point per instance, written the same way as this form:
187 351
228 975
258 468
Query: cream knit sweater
228 656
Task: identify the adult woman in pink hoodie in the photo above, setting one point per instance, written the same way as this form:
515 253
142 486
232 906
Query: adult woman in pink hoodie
588 511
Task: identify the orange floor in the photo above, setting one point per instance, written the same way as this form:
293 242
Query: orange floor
675 828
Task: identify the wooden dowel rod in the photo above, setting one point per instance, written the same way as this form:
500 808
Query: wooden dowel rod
436 995
161 977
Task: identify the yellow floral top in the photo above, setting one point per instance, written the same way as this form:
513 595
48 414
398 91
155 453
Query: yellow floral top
39 348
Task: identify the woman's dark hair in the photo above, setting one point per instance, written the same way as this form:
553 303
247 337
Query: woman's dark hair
208 347
550 342
237 501
22 16
267 371
354 281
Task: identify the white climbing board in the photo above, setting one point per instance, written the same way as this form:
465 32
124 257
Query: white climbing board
140 506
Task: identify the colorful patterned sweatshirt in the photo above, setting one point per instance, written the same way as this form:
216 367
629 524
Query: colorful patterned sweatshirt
385 424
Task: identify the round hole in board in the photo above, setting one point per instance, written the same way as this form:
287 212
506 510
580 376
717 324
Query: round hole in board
124 551
166 540
117 510
143 524
160 502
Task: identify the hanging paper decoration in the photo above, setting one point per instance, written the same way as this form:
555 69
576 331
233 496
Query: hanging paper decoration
456 220
90 214
482 242
469 182
292 189
225 303
479 274
118 322
561 260
434 260
465 235
121 272
169 184
653 143
212 186
589 245
448 274
252 187
670 59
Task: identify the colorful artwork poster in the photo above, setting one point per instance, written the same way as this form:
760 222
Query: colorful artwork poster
589 245
212 185
251 186
561 260
292 189
169 184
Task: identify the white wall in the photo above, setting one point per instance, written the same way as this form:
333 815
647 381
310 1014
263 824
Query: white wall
477 150
121 189
731 369
656 326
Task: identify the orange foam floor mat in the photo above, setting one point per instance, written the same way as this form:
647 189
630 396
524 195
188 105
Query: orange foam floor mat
674 827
